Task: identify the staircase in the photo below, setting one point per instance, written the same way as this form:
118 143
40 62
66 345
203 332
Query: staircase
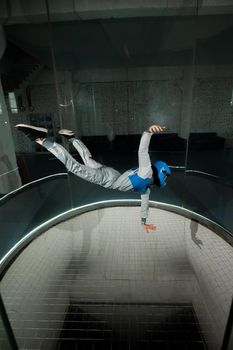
18 70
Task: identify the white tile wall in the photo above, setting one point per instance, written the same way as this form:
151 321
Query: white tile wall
212 262
33 289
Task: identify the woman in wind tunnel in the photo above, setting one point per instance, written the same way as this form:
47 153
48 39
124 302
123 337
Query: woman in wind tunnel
140 180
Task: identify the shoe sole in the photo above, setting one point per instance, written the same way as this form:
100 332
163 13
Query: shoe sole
32 127
66 133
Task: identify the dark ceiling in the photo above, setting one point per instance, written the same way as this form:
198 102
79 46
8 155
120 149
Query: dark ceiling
128 42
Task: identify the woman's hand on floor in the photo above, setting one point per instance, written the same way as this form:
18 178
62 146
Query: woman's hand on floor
149 227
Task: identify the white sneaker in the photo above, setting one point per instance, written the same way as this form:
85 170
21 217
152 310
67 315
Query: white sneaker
32 132
66 133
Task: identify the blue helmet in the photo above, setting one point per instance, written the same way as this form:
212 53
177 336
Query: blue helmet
163 171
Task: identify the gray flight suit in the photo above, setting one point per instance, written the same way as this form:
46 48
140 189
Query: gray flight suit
105 176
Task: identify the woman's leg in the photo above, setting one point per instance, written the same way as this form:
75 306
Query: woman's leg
61 153
85 153
39 135
103 176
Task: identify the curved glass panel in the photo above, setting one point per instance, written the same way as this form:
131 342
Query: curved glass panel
116 76
28 95
209 182
32 206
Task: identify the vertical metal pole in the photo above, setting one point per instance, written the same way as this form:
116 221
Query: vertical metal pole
57 87
54 64
189 111
94 107
7 326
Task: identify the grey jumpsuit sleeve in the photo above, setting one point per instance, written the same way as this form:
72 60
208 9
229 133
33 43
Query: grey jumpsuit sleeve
143 155
144 171
145 206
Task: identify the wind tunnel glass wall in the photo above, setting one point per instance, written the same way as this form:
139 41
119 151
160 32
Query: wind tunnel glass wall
116 78
108 80
28 95
209 181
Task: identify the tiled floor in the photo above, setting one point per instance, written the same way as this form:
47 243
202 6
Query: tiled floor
147 287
